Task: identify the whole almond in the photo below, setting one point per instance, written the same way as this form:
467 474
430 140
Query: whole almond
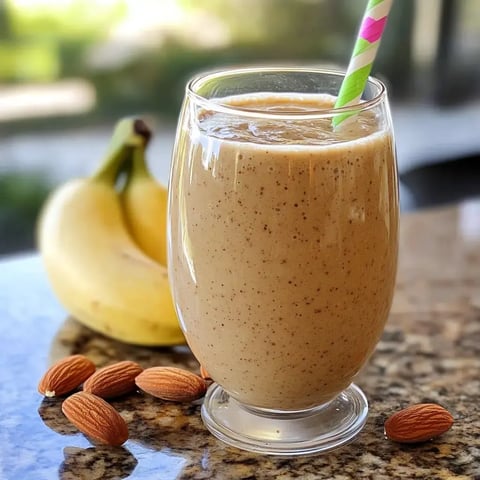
65 375
418 423
170 383
113 380
96 418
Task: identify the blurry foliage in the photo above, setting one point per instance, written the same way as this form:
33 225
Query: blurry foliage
21 197
302 25
41 41
77 20
28 60
298 31
53 40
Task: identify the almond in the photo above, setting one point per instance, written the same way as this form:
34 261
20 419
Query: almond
65 375
114 380
170 383
418 423
96 418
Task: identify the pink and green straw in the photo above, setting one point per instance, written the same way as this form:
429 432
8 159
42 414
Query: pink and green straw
363 56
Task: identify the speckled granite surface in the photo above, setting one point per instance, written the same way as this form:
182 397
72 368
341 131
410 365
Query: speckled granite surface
430 351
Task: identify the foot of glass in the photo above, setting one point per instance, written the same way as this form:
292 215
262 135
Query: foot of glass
274 432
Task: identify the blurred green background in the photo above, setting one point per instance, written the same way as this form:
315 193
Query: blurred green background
70 68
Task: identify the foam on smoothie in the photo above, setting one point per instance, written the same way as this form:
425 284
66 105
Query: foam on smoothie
296 130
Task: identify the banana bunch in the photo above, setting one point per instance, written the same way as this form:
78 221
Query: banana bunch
104 248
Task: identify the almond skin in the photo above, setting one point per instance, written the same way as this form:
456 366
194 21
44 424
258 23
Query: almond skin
418 423
65 375
114 380
172 384
96 418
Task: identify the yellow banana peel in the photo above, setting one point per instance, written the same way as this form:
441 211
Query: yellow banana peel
96 269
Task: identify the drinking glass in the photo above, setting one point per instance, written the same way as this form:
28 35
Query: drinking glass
282 251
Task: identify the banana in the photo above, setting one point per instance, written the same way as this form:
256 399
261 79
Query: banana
97 271
144 203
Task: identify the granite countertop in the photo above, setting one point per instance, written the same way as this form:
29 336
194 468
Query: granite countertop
430 352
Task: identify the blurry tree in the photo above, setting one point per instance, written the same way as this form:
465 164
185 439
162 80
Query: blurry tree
45 40
4 24
320 29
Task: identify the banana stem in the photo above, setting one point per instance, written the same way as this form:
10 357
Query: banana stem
112 164
129 136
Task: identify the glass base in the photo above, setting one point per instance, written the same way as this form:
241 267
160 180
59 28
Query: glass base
275 432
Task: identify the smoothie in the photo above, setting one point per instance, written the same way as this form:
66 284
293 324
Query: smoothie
283 247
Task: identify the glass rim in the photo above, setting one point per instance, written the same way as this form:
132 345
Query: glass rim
213 104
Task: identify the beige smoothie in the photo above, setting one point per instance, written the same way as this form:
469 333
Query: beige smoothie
284 247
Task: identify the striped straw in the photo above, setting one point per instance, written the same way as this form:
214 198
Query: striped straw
363 56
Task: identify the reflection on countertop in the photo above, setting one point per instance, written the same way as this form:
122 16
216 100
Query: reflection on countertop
430 351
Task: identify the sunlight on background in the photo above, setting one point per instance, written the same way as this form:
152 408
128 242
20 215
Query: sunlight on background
70 97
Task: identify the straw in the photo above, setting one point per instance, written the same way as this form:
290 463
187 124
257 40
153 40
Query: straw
363 56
